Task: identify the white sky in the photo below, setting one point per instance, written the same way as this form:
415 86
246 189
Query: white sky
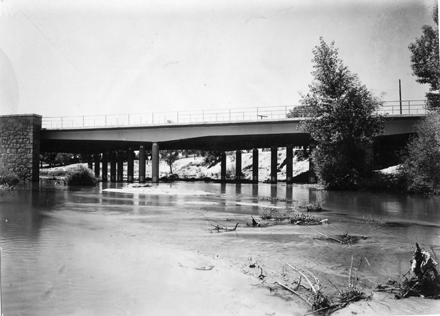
129 56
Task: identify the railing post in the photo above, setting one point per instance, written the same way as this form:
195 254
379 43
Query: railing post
61 121
128 118
409 107
178 116
229 114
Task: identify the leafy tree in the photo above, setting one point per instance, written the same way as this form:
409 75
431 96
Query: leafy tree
343 120
212 158
421 168
64 158
425 61
169 156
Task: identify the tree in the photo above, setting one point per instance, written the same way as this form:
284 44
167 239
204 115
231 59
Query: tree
343 121
421 168
169 156
425 61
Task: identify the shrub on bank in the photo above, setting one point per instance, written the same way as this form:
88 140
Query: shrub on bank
8 178
421 168
81 175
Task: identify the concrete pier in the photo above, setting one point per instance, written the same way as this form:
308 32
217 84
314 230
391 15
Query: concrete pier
273 164
223 167
96 159
104 176
238 169
289 161
155 163
113 166
255 167
142 164
130 166
120 174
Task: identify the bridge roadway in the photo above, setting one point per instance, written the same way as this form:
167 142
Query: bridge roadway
219 136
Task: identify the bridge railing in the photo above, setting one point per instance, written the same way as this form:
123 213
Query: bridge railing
200 116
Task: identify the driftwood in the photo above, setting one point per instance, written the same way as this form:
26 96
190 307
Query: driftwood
219 228
422 279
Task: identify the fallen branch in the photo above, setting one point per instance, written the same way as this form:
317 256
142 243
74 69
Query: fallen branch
339 241
294 292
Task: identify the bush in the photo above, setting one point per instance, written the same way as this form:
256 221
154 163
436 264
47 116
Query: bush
81 175
8 178
421 168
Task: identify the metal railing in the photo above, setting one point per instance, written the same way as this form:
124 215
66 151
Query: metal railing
415 107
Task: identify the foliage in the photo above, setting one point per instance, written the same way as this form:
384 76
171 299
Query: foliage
421 168
81 175
300 111
64 158
212 158
343 122
8 178
169 156
425 60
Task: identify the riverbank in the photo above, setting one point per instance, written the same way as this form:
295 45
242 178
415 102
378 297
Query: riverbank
221 255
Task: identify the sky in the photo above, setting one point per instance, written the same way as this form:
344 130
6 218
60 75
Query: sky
64 58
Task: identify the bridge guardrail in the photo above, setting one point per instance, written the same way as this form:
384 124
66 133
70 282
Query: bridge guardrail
415 107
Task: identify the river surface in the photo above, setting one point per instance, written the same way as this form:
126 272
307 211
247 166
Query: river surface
81 251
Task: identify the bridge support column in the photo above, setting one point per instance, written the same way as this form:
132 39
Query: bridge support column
238 173
130 166
96 158
155 163
104 177
223 167
142 164
273 164
120 177
289 160
255 165
113 166
90 161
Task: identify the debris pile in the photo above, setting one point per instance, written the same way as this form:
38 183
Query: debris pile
422 279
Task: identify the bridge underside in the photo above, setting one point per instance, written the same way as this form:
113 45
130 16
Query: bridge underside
218 143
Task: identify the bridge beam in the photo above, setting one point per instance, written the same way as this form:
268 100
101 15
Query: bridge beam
104 177
113 166
155 163
289 163
223 167
255 165
120 177
273 165
238 173
141 164
130 166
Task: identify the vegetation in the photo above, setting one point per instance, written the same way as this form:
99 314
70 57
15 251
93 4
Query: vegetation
8 179
421 167
170 157
343 122
81 175
425 61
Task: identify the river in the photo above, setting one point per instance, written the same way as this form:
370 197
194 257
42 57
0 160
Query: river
85 251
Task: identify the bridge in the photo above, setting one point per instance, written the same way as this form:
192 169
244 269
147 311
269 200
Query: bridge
108 138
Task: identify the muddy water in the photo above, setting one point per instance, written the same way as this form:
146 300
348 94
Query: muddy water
84 251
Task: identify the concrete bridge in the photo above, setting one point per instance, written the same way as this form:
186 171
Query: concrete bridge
110 137
109 143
